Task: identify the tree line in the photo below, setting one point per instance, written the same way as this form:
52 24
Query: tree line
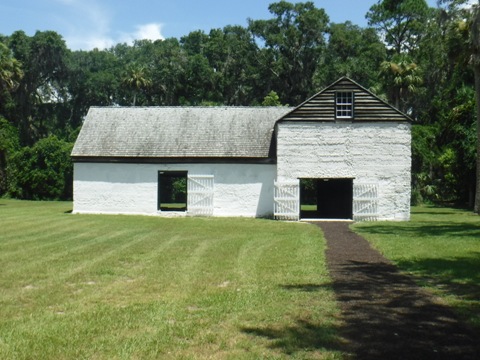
423 60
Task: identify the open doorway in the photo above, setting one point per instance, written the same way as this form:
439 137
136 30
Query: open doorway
172 190
326 198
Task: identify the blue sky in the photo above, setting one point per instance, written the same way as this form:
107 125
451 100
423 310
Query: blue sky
86 24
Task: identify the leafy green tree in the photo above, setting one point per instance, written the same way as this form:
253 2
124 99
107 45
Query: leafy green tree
10 76
93 80
195 42
401 22
10 70
198 85
454 106
272 99
167 62
231 54
44 64
425 155
9 143
222 67
42 172
351 51
294 42
198 72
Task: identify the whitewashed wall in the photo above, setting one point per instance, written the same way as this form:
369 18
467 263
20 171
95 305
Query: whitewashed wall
377 153
239 190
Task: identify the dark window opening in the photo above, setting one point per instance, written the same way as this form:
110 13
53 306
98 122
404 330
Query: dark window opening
326 198
172 190
344 105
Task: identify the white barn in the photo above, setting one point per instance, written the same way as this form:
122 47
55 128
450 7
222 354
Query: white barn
344 153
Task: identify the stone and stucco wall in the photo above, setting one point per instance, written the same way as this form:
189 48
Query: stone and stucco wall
368 152
239 189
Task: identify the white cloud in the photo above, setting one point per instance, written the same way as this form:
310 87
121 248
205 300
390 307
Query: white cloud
152 31
89 26
89 42
149 32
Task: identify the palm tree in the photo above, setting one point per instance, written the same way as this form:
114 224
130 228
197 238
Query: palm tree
402 78
136 79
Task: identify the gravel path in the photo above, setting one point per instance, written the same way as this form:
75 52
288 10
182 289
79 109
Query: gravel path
386 315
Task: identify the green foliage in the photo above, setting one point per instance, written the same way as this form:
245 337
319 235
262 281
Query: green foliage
272 99
401 80
424 161
9 143
93 80
136 79
444 153
400 21
295 40
351 51
179 190
41 172
10 69
43 57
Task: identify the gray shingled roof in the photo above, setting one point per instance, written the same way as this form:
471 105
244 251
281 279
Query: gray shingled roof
178 132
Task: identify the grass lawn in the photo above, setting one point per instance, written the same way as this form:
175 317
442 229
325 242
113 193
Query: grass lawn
133 287
441 248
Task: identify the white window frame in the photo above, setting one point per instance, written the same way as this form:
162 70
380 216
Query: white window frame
344 104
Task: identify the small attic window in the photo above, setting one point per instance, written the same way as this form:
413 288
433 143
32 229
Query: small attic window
344 104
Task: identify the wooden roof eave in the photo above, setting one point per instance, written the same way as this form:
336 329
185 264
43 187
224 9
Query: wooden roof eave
173 160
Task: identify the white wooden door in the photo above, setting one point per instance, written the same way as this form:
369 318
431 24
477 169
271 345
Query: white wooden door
287 200
365 202
200 195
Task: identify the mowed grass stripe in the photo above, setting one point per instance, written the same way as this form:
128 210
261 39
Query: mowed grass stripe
56 276
123 287
42 240
25 229
84 249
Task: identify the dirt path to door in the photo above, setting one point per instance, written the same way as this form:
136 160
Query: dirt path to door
386 315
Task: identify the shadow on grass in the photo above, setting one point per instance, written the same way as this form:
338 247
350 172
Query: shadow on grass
418 229
388 317
435 212
68 212
299 337
303 335
459 276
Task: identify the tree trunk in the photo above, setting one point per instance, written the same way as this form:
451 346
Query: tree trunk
476 206
476 68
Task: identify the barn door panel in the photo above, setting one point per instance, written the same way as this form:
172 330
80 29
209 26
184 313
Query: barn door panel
200 195
287 200
365 202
